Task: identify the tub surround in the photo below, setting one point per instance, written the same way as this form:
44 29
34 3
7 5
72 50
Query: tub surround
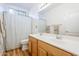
67 43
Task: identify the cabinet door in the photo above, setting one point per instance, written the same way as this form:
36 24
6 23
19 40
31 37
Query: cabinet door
42 52
52 50
34 46
30 51
50 54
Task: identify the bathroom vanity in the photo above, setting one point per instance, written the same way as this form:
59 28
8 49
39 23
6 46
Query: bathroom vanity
48 45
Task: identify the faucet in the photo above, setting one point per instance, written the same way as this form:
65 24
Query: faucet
40 34
58 36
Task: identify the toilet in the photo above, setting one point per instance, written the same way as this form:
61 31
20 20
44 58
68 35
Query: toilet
24 44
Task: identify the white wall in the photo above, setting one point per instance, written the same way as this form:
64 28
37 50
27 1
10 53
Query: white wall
34 11
36 21
7 7
65 14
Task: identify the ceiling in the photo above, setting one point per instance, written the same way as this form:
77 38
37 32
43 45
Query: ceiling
27 6
52 5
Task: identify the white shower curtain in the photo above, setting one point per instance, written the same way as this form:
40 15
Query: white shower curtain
18 27
2 32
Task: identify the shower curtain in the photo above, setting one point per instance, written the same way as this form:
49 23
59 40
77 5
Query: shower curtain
18 27
2 32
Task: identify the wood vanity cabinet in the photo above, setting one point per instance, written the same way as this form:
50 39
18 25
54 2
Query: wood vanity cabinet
40 48
52 50
29 47
32 46
42 52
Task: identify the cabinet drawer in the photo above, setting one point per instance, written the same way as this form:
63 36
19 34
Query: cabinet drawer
53 50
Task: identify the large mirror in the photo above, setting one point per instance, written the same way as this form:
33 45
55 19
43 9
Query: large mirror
66 15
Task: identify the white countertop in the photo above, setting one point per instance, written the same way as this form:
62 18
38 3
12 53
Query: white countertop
67 43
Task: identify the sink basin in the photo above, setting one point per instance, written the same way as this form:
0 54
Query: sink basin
46 36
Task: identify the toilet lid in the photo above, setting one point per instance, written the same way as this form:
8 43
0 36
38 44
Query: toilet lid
24 41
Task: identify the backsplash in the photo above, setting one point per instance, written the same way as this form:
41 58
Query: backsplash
72 33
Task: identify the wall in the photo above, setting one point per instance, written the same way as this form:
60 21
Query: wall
42 25
65 14
6 7
37 23
33 13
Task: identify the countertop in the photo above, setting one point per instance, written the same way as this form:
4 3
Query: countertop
67 43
